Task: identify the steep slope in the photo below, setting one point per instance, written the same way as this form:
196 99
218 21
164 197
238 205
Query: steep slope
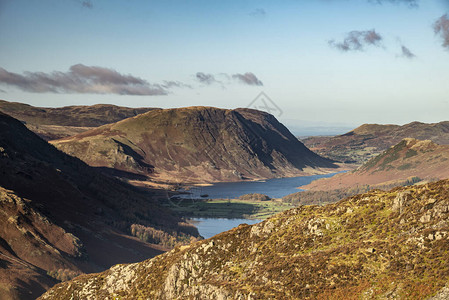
54 123
379 245
60 217
196 144
409 158
369 140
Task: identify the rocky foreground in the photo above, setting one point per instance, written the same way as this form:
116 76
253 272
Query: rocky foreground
387 245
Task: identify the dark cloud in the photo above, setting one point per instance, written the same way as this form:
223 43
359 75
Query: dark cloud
406 52
247 78
81 79
258 12
205 78
87 4
441 27
357 40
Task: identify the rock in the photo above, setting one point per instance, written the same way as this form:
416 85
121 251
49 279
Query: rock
401 201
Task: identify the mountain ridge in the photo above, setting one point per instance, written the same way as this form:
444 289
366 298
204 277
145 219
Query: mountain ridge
369 140
58 122
422 159
206 144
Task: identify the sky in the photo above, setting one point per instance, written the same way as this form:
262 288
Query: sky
329 64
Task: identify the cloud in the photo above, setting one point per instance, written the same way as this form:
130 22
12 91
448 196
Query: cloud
407 53
441 27
357 40
248 78
258 12
170 84
206 78
225 79
81 79
86 3
411 3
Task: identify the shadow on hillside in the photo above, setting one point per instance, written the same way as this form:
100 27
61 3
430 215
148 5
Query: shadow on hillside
121 174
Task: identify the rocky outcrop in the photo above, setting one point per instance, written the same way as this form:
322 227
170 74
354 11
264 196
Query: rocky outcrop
370 246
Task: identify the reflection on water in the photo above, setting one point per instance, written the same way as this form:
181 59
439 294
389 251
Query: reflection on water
274 188
208 227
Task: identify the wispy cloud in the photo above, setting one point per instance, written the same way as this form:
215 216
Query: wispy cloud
81 79
171 84
205 78
405 52
441 28
248 78
258 12
357 41
85 3
411 3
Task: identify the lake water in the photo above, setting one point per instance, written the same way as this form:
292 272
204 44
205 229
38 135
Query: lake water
208 227
274 188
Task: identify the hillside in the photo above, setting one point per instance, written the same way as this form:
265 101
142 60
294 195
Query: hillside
369 140
196 144
59 216
410 158
379 245
54 123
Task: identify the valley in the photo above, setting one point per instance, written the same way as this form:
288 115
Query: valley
139 186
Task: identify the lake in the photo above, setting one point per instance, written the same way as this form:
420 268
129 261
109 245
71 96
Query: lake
208 227
274 188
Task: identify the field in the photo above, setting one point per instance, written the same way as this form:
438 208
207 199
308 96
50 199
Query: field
227 208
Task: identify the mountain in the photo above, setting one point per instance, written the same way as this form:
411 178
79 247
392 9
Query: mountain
60 218
378 245
409 158
196 144
369 140
54 123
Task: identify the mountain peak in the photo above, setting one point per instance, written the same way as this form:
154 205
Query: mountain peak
196 143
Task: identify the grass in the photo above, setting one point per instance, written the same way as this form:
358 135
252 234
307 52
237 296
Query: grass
224 208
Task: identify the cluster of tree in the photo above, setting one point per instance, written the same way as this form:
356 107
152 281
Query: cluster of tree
63 274
255 197
156 236
332 196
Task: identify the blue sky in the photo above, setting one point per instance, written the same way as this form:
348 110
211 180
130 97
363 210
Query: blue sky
224 53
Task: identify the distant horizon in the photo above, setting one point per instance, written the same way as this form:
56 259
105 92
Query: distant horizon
299 128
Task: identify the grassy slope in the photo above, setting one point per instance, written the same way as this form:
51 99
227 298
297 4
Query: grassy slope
55 123
409 158
224 208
